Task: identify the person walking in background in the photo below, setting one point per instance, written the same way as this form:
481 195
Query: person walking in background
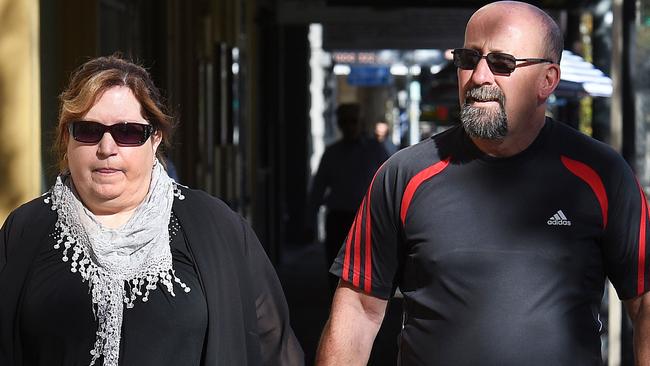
500 231
345 170
382 134
117 264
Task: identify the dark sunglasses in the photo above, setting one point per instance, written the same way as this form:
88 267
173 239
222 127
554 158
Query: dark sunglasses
124 133
499 63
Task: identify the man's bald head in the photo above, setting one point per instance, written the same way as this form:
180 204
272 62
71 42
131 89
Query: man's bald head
550 36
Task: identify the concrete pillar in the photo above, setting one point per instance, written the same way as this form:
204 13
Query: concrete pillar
20 159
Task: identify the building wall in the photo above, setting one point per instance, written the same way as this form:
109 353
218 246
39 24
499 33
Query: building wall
20 163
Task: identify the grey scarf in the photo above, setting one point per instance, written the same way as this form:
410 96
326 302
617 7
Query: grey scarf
120 264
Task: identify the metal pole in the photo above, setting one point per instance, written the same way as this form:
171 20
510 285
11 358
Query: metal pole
616 72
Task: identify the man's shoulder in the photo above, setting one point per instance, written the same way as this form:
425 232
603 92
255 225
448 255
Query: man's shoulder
432 149
333 150
576 145
375 149
409 161
581 153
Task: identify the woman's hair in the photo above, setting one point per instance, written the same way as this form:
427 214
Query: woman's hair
91 80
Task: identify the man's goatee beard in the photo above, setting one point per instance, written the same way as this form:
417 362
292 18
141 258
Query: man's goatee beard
484 123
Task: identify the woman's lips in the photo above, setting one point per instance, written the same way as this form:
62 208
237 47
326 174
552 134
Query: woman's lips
106 170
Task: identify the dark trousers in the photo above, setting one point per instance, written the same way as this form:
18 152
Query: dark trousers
337 225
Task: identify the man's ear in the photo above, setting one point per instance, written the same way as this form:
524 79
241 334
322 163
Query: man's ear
549 81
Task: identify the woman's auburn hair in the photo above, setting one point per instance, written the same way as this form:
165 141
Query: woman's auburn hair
91 80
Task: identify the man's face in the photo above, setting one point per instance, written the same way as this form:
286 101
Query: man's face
381 131
493 105
350 128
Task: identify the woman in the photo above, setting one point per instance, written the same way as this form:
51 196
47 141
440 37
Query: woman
172 276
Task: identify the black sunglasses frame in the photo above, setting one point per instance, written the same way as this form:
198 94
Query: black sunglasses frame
494 59
147 131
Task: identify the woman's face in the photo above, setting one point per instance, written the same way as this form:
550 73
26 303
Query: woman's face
111 178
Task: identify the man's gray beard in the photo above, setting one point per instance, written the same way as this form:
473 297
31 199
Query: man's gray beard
485 123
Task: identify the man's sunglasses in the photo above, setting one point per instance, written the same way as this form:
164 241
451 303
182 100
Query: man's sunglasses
124 133
499 63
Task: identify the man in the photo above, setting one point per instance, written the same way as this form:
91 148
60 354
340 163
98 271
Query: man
344 172
499 232
382 134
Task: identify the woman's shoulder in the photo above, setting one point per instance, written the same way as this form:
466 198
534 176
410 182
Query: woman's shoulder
32 210
209 222
197 206
24 228
199 199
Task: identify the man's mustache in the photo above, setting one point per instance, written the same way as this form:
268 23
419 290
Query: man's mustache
485 93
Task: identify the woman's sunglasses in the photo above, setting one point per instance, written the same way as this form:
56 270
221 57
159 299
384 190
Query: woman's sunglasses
124 133
499 63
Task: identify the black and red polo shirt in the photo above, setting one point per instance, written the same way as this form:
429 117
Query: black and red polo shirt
501 261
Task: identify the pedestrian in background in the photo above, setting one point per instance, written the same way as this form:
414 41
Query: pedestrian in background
344 173
382 134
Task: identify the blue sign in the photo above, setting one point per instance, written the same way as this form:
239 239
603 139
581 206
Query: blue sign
369 75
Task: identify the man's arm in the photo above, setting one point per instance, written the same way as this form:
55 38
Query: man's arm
639 311
351 329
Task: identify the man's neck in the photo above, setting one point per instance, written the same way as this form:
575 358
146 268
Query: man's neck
515 142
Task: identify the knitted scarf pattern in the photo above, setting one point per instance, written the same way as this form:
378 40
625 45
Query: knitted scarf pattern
122 264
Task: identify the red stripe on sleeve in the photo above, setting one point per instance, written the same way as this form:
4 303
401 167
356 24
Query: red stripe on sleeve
640 284
357 246
415 182
354 241
587 174
346 260
368 265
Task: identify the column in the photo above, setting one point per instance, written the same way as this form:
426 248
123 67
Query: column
20 160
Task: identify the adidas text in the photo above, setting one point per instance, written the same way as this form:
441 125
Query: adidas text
559 222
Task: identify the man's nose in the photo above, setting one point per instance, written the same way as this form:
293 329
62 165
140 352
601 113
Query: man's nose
482 74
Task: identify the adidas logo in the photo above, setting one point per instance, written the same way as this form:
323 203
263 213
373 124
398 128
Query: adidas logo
559 219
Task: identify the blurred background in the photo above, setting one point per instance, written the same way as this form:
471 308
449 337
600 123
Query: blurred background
254 85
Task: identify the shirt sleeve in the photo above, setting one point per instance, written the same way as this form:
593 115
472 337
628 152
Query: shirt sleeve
626 236
369 257
278 343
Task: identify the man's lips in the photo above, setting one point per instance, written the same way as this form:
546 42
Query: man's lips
474 100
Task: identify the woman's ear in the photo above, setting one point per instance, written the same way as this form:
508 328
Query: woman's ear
549 81
157 139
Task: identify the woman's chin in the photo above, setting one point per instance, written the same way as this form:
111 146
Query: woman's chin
102 195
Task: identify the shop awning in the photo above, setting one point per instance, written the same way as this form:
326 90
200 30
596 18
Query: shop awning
581 77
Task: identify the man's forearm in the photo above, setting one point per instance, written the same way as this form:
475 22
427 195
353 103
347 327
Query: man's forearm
639 311
342 348
350 332
642 339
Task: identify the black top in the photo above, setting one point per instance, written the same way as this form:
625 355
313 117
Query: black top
58 326
235 314
500 261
